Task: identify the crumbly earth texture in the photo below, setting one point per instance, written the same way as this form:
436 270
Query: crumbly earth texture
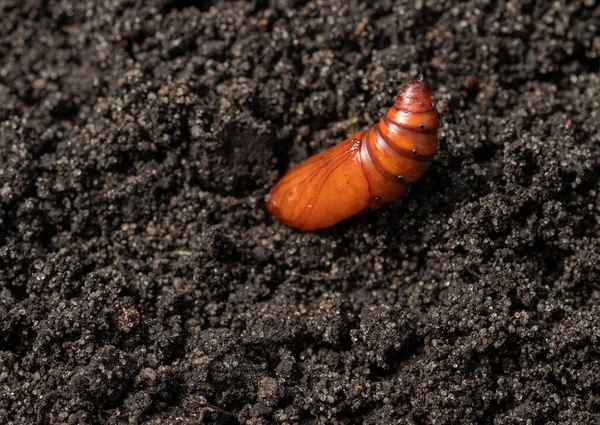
143 282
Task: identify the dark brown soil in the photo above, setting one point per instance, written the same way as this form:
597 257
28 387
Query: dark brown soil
143 281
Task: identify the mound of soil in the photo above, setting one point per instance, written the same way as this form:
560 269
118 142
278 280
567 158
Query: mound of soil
142 281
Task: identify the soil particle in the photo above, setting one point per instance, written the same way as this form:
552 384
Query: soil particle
142 281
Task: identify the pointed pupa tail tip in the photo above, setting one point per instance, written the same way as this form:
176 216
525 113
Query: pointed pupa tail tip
414 96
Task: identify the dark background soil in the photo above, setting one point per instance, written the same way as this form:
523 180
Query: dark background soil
143 281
